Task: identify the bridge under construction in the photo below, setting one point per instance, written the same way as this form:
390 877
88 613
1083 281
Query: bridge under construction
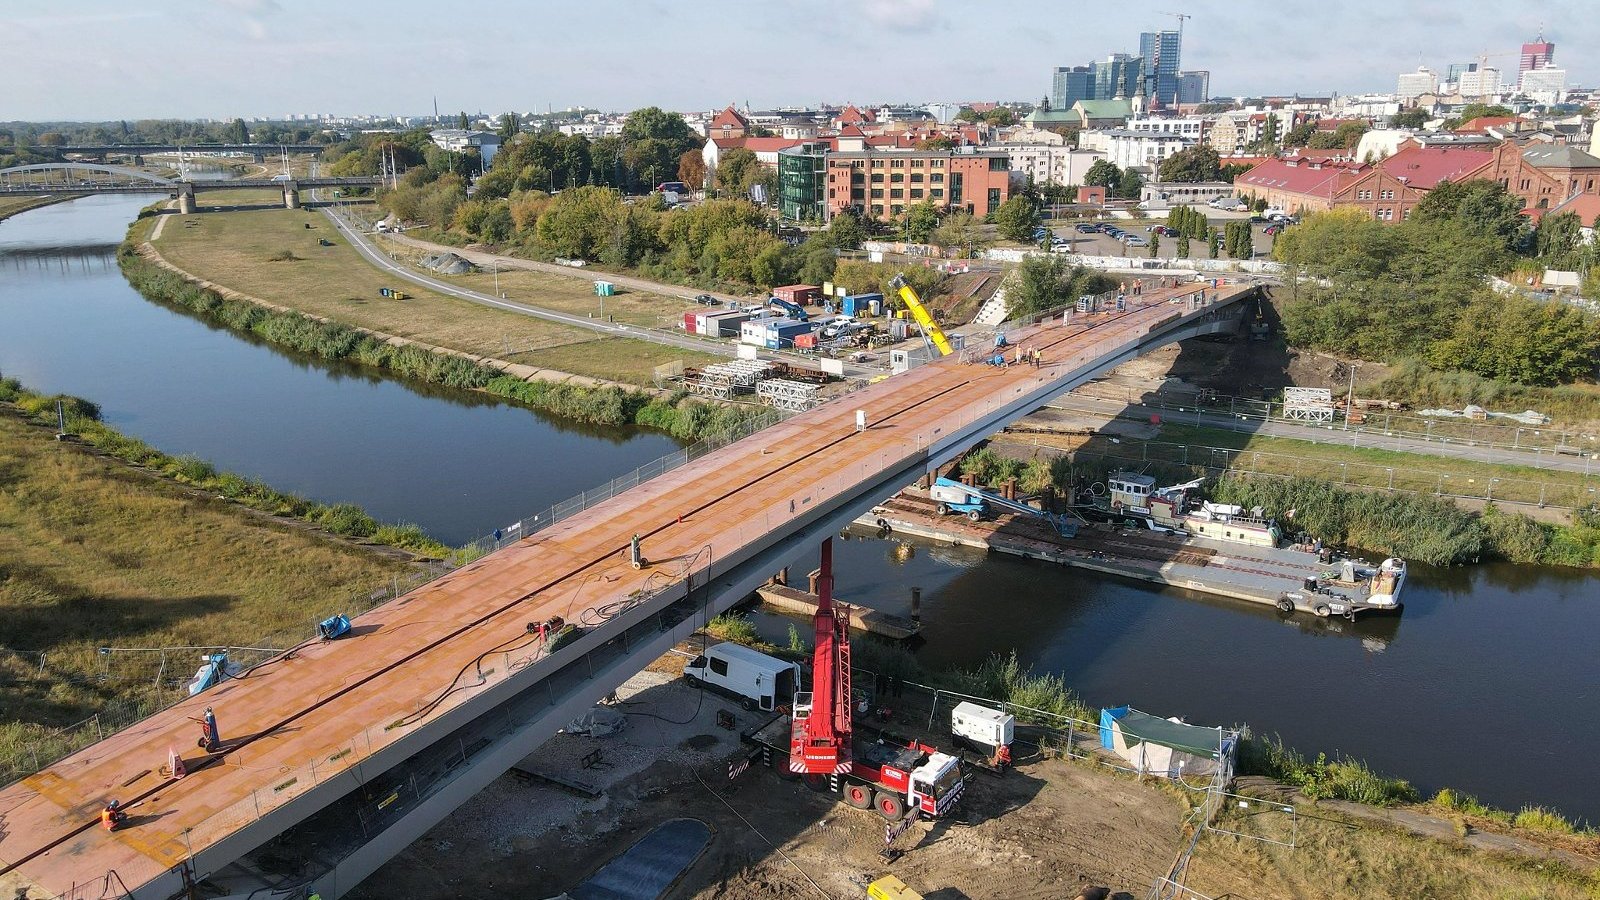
359 744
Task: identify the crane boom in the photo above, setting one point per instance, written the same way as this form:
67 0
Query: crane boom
820 739
921 314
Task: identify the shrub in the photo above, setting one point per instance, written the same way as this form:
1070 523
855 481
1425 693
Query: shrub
1538 818
735 628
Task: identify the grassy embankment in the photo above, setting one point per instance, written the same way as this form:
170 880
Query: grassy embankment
447 322
271 254
1383 858
1410 522
95 553
12 204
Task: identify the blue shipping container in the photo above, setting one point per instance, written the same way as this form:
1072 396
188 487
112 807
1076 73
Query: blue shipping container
860 304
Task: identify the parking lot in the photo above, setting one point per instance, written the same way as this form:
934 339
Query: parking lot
1102 244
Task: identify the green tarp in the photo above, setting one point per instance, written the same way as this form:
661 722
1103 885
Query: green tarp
1188 738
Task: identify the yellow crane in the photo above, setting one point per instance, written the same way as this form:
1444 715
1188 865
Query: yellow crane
930 328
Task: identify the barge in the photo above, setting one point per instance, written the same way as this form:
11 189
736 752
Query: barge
1296 579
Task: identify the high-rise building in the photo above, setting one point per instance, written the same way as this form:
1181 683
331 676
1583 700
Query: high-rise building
1546 84
1071 84
1117 76
1161 52
1456 70
1414 84
1480 84
1194 87
1537 55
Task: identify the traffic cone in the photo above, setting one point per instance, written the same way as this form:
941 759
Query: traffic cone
175 769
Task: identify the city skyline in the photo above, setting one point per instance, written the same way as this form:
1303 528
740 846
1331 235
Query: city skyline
103 61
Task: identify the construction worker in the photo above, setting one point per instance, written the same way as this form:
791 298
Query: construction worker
113 817
210 740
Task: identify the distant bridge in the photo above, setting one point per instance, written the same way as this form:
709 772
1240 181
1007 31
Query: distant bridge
258 152
124 180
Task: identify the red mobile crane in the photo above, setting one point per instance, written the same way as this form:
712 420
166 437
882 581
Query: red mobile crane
819 739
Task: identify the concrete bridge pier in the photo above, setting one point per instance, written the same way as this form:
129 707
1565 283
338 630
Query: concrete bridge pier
186 199
291 196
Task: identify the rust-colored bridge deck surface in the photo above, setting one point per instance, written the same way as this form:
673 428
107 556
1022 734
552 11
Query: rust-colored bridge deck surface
297 720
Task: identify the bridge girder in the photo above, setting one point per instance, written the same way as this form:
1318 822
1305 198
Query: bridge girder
124 171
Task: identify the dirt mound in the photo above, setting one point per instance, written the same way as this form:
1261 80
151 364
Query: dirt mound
446 264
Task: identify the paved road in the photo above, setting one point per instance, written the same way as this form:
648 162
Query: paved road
1368 439
382 261
377 257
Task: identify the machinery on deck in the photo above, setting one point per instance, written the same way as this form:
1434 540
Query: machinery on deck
818 737
930 329
976 503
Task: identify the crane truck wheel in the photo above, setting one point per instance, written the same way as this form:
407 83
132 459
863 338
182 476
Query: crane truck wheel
816 782
889 806
858 796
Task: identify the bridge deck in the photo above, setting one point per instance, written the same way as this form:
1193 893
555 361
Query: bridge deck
328 706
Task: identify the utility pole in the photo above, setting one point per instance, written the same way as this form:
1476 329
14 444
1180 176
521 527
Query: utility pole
1350 396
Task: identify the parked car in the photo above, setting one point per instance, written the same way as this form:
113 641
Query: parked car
1086 228
1133 240
1157 229
1272 229
707 300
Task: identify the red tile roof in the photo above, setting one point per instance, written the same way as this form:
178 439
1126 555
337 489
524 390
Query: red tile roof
1585 206
1425 167
850 115
1484 123
772 144
1310 178
729 118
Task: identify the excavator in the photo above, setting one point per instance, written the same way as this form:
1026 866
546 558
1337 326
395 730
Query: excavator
930 329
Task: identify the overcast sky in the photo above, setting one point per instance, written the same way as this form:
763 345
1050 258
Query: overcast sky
111 59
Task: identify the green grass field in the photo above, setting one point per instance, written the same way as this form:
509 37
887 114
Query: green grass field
273 255
94 553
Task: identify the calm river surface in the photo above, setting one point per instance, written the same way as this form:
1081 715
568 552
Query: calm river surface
1489 682
458 465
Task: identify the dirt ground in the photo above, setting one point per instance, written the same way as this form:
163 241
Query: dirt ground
1028 834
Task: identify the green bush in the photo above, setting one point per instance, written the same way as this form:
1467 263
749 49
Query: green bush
735 628
1322 778
1538 818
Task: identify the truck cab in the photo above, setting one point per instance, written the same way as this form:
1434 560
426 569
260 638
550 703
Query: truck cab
936 785
757 680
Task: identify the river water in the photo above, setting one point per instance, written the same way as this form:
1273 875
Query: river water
1488 683
458 464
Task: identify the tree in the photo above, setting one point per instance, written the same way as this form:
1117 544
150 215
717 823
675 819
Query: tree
937 142
1239 239
1478 205
1345 137
959 229
1000 117
1104 173
1522 340
1155 244
845 231
238 132
737 171
1191 165
1415 117
1476 110
1047 281
921 219
1269 135
1557 236
692 169
462 122
1213 243
1182 246
1129 186
509 126
1300 135
1017 218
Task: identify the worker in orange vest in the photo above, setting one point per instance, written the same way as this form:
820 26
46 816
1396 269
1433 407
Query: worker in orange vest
112 817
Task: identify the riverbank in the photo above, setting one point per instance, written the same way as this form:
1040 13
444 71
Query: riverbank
12 205
331 339
95 552
278 256
1365 834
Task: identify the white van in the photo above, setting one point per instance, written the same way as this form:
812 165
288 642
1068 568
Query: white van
758 680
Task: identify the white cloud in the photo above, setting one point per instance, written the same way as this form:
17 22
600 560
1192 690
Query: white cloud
903 15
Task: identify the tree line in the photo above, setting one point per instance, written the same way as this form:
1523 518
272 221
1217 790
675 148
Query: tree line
1418 290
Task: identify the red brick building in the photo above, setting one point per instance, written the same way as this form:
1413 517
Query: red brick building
728 125
1544 175
884 184
1391 189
